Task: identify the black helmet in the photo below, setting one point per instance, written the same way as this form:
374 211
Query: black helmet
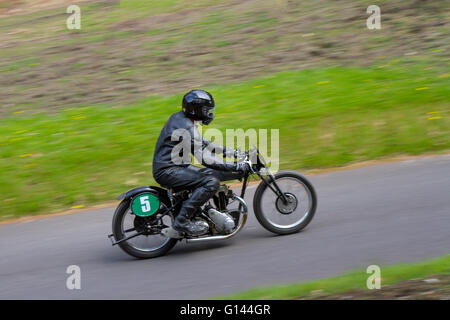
199 105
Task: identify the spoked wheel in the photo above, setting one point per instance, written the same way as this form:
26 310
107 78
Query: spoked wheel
148 243
288 214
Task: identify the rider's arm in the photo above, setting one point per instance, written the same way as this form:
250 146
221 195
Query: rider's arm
218 149
203 151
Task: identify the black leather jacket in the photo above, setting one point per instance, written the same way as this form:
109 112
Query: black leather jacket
179 135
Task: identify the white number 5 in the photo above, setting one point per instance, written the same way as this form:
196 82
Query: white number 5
145 204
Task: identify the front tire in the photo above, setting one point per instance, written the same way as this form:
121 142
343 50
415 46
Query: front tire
118 232
265 199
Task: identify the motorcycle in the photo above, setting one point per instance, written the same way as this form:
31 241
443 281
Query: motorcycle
142 222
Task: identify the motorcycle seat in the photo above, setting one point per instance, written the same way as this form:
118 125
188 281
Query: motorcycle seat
173 190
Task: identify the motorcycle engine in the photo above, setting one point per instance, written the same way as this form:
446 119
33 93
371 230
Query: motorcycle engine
223 222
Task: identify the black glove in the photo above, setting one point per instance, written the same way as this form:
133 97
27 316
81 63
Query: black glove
243 167
240 154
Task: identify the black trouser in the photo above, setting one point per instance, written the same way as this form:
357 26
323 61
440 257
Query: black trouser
203 181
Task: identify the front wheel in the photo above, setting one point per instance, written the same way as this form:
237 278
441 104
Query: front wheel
288 214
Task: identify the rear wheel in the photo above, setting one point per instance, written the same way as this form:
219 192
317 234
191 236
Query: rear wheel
150 244
291 213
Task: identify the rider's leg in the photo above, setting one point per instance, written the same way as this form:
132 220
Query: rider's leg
207 186
204 185
219 174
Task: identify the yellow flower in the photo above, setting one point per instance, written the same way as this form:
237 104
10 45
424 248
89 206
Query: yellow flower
423 88
26 155
21 131
434 118
29 165
432 112
322 82
77 207
259 86
78 117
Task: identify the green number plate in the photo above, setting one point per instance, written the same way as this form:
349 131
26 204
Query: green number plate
145 205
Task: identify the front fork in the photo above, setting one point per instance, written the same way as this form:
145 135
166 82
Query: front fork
277 189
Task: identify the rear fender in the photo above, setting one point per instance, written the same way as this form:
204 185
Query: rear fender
160 192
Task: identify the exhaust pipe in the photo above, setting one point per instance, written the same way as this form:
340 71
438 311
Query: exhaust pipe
243 208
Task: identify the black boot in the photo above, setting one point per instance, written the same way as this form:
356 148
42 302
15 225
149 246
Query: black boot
184 224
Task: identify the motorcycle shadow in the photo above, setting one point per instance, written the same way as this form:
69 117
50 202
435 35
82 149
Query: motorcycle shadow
179 250
248 236
188 248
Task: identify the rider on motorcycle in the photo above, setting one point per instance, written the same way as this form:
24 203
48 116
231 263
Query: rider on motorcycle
170 172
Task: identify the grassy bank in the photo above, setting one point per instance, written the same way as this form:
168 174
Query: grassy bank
326 117
352 281
128 49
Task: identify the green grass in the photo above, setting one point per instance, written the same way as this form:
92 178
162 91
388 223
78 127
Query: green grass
326 117
351 281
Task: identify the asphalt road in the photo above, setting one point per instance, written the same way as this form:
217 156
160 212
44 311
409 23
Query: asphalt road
382 214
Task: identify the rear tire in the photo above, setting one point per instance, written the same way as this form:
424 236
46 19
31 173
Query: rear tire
125 246
258 206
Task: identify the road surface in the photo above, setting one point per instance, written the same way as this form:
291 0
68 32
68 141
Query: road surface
381 214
